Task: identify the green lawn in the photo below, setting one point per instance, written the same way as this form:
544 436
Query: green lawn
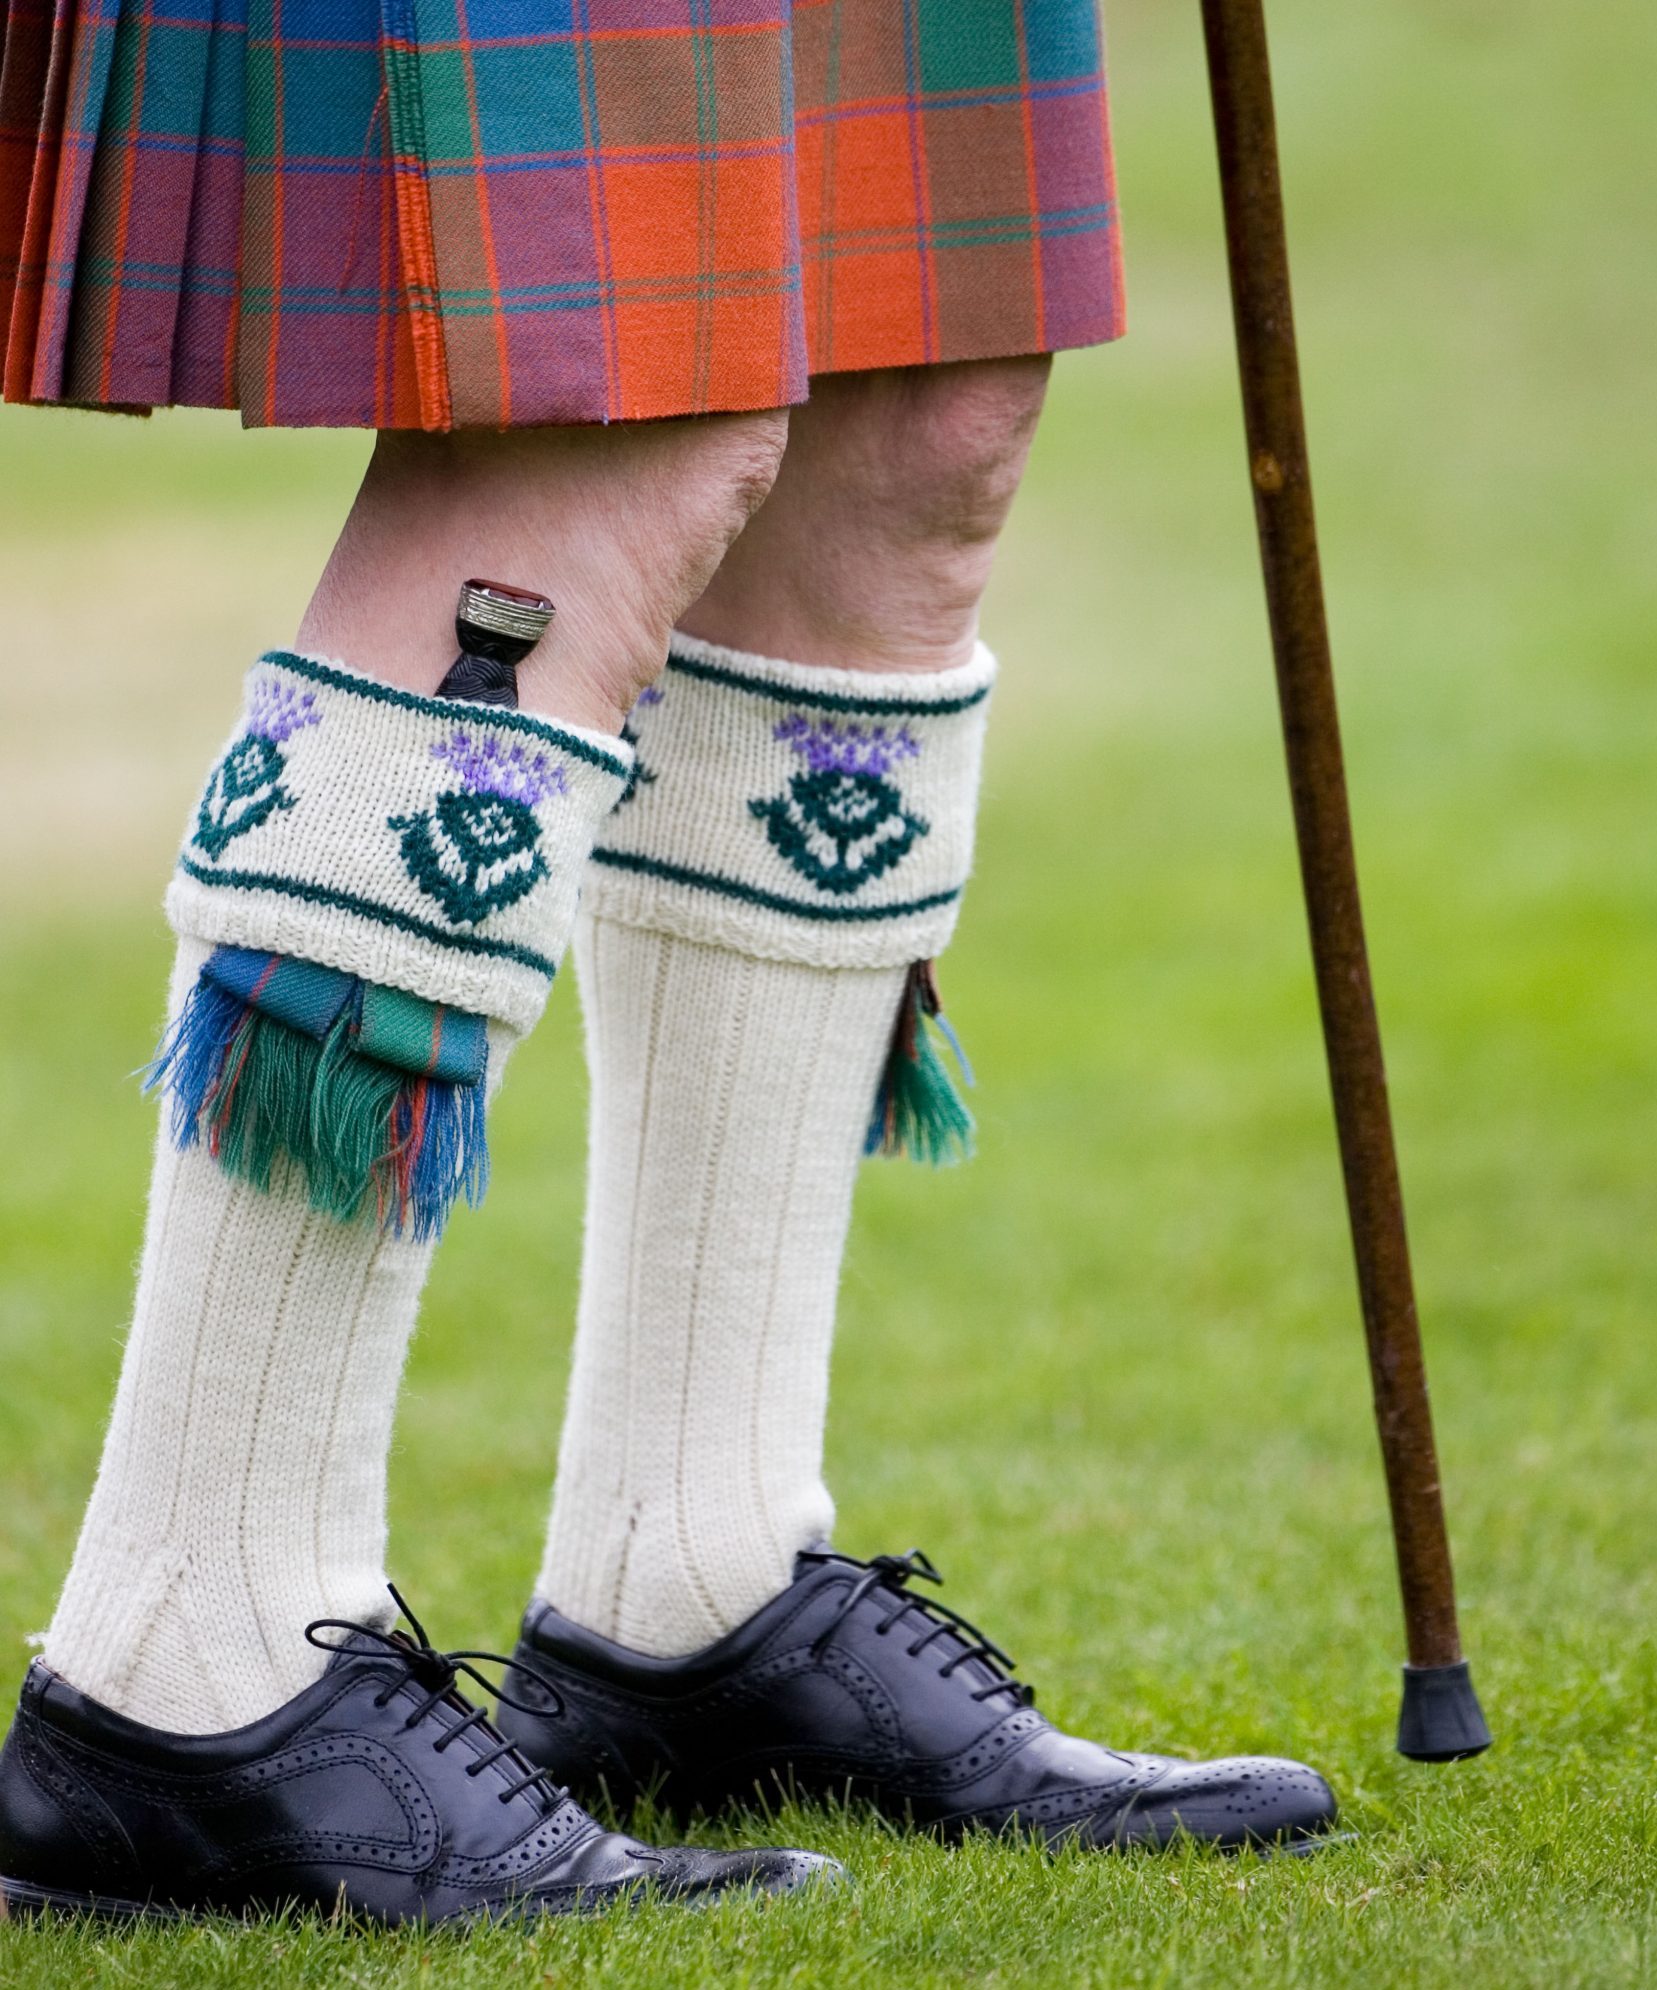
1111 1375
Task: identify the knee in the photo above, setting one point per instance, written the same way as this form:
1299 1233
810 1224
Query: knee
676 520
950 445
631 519
730 464
964 445
697 478
751 451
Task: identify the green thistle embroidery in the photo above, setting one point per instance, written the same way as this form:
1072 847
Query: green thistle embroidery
245 788
842 823
639 775
477 850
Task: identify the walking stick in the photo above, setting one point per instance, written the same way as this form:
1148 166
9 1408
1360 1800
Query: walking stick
1441 1720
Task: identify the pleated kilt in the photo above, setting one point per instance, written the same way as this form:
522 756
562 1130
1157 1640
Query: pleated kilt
447 213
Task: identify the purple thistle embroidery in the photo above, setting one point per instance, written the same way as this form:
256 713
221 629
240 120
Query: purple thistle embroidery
486 767
276 711
842 822
477 849
651 695
853 749
245 789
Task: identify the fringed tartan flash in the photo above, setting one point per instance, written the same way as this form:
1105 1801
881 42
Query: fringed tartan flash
918 1110
374 1097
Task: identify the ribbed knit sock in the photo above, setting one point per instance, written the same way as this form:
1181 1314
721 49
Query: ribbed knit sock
795 841
366 839
729 1102
242 1487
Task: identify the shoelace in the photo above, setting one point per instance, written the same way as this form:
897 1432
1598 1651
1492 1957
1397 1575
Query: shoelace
439 1672
892 1574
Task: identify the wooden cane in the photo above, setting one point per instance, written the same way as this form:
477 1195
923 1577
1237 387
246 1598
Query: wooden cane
1441 1719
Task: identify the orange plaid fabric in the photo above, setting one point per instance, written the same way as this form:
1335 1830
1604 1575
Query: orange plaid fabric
443 213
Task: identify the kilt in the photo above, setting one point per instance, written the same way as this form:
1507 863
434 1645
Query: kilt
486 213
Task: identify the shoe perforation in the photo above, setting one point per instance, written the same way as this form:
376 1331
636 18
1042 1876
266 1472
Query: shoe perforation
230 1787
1100 1793
58 1782
554 1837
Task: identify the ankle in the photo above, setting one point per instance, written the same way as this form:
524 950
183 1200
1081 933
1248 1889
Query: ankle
670 1590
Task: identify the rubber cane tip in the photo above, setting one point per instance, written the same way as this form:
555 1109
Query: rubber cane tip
1441 1719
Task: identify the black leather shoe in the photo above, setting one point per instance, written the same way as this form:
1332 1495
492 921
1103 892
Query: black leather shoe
380 1790
850 1684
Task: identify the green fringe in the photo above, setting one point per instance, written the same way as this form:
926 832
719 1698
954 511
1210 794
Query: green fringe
285 1099
918 1108
352 1106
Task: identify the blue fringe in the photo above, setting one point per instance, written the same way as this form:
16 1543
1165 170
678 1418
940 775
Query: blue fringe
946 1029
192 1055
452 1160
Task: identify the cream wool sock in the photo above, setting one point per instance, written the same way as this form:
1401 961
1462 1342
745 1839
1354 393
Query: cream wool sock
721 1169
794 841
417 848
242 1487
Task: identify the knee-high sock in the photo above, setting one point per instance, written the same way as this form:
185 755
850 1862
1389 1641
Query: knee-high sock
243 1477
242 1488
796 840
729 1102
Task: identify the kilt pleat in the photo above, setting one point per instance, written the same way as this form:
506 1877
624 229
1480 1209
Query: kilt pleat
118 310
79 42
206 282
453 213
25 56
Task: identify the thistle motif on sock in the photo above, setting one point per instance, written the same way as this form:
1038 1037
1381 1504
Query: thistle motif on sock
639 775
245 788
477 848
842 822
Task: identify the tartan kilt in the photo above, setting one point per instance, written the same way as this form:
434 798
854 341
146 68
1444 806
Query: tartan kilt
487 213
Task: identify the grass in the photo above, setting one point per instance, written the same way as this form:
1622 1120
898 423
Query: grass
1111 1375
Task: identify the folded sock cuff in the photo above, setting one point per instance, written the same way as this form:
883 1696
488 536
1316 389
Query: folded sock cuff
419 843
797 813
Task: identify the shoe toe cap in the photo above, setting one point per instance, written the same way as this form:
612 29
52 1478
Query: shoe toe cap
1241 1800
764 1869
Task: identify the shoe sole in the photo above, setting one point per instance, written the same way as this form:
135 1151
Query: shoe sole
23 1901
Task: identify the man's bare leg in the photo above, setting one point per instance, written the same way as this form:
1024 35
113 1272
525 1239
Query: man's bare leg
875 546
737 1036
737 1044
242 1486
620 527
